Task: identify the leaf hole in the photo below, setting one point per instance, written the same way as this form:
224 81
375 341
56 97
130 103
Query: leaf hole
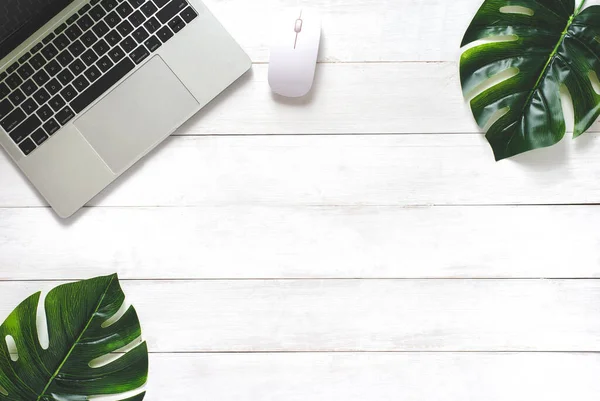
118 315
42 323
495 117
595 82
113 356
566 103
491 82
3 391
517 10
12 348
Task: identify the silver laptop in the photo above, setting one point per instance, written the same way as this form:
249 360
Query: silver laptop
88 87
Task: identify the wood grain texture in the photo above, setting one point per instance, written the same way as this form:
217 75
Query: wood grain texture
359 315
358 30
342 170
239 242
375 377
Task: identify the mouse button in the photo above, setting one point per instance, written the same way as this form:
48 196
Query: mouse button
298 26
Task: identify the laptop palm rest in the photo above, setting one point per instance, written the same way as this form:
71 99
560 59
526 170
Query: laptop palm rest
136 115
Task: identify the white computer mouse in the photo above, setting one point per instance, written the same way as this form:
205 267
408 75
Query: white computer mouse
296 40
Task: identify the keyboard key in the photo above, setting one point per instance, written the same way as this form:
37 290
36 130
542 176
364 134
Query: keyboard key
189 14
65 76
76 48
56 103
77 67
85 23
15 118
72 19
139 54
65 58
52 68
53 87
140 34
25 129
13 67
94 2
92 73
100 29
113 38
60 29
176 24
49 51
25 71
37 61
27 146
102 85
136 19
25 57
61 42
84 10
152 25
89 38
29 106
73 32
128 44
109 4
13 81
41 96
105 64
29 87
124 9
97 13
39 136
101 47
41 77
51 126
36 48
153 43
136 3
45 112
160 3
65 115
16 97
171 10
3 90
48 38
3 75
5 108
81 83
112 19
68 93
89 57
149 8
164 34
116 54
125 28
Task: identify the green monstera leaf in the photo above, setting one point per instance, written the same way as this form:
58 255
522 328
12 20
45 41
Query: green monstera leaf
80 331
539 46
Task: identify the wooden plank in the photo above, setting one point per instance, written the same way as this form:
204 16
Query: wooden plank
358 30
374 377
240 242
405 98
343 170
359 315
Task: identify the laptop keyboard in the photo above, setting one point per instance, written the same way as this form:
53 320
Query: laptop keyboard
81 60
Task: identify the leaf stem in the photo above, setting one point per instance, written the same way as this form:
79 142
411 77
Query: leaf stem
580 7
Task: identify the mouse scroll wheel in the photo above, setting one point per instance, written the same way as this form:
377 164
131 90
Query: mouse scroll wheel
298 26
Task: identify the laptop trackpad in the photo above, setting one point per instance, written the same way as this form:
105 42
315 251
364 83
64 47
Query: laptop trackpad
137 115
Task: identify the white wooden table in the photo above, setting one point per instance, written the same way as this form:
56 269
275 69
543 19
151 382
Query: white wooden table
361 244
